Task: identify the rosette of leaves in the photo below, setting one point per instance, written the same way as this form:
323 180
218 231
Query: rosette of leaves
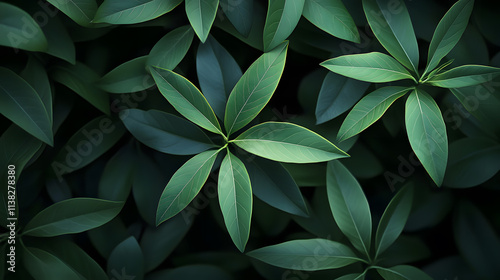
424 122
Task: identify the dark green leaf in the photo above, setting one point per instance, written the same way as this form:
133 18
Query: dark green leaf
34 73
196 272
403 272
129 12
81 11
463 76
130 76
43 265
240 14
117 176
281 19
170 49
106 237
59 41
201 15
126 260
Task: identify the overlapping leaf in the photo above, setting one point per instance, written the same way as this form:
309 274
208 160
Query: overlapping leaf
464 76
80 11
201 15
281 19
131 76
171 48
130 12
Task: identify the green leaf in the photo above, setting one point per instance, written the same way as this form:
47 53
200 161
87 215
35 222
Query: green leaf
186 99
274 185
72 216
240 14
349 206
448 32
194 272
168 52
20 103
34 73
353 276
80 11
372 67
43 265
130 12
255 88
337 95
463 76
116 179
185 185
369 110
296 254
201 14
59 41
427 133
281 19
81 79
331 17
217 72
126 259
130 76
106 237
440 68
393 220
19 30
287 142
394 30
235 199
160 131
403 272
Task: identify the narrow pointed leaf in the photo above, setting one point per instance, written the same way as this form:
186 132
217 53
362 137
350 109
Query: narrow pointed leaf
394 30
295 254
403 272
130 76
59 41
369 109
185 185
464 76
427 133
369 67
240 14
255 88
349 206
168 52
287 142
130 12
186 99
201 15
80 11
281 19
235 199
34 73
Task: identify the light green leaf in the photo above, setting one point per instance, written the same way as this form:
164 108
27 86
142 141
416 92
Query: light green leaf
130 12
254 89
372 67
126 259
369 109
281 19
427 133
349 206
43 265
34 73
72 216
20 103
393 220
235 199
394 30
201 14
332 17
353 276
130 76
295 254
465 75
240 14
448 32
185 185
439 69
168 52
19 30
186 99
287 142
403 272
80 11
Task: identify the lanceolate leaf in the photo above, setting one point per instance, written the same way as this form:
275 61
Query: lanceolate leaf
20 103
282 17
295 254
185 185
186 99
466 75
240 14
171 48
129 12
201 15
254 89
369 110
370 67
34 73
331 17
116 179
394 30
235 199
287 142
448 32
403 272
81 11
349 206
427 133
72 216
45 266
130 76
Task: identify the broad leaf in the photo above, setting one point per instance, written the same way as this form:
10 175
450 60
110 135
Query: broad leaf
129 12
19 30
80 11
349 206
72 216
186 99
427 133
466 75
369 67
185 185
394 30
201 15
281 19
403 272
331 17
448 32
106 237
240 14
116 179
45 266
59 41
126 259
235 199
287 142
369 110
34 73
353 276
254 89
168 52
22 104
130 76
296 254
160 131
